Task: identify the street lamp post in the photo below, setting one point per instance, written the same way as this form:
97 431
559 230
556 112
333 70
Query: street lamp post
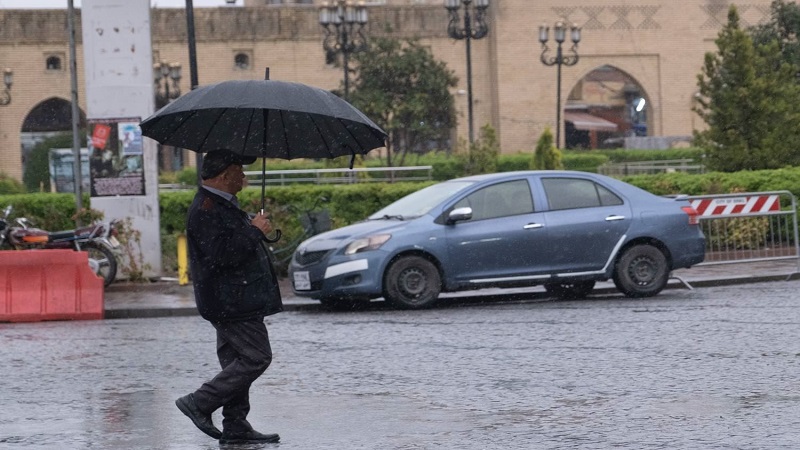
468 32
8 80
344 23
163 74
560 35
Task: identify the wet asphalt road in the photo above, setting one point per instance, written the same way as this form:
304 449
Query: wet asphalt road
713 368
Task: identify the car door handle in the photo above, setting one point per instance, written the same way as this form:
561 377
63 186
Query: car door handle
610 218
531 226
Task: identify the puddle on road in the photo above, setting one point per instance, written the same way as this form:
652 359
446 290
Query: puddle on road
148 419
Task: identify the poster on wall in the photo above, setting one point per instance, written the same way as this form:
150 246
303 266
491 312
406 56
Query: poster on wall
116 163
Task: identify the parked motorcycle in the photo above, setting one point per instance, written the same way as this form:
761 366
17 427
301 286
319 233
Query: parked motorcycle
98 240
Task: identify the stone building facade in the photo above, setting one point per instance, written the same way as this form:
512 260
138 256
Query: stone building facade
656 46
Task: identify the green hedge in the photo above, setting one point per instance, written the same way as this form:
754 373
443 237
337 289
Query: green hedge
448 166
719 182
350 203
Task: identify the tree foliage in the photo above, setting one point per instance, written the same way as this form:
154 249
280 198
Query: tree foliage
400 86
37 168
546 156
783 27
750 100
482 155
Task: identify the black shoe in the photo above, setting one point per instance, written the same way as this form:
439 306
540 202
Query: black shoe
248 437
201 420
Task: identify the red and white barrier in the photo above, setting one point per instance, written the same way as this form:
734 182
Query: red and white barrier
38 285
726 206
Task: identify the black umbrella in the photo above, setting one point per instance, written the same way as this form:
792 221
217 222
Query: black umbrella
267 119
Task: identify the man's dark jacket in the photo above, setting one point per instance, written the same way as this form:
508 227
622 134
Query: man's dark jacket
231 271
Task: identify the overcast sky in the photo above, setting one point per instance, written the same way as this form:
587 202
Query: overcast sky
56 4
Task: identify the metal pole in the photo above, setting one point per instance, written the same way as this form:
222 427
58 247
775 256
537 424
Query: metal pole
558 96
468 29
345 63
76 143
193 74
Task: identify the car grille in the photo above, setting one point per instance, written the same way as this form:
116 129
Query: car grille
307 258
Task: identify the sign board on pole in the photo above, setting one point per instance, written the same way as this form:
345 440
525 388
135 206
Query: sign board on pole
119 92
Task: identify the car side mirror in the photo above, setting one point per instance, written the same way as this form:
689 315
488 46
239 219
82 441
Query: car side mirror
459 214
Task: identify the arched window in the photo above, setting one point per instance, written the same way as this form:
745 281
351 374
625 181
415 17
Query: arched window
242 61
53 63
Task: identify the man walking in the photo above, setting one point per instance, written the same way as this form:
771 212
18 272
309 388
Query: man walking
235 288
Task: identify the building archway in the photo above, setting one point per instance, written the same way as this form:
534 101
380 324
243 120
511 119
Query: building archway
48 118
603 108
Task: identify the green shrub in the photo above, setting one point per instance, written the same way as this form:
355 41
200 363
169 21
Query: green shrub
546 156
187 176
36 177
50 211
588 162
740 233
352 203
10 185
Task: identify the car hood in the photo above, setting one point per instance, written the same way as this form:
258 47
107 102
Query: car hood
335 238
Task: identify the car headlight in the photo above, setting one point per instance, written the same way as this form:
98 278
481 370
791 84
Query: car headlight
366 244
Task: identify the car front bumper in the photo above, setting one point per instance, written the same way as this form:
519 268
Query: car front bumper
337 277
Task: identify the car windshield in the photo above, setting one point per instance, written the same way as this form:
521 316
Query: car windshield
420 202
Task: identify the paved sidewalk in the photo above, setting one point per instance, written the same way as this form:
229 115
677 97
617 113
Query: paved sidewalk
168 298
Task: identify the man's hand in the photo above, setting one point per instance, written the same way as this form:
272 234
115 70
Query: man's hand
261 222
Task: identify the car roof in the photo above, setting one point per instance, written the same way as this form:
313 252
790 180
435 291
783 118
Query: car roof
503 175
628 188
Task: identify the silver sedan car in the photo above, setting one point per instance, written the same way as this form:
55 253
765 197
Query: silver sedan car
561 229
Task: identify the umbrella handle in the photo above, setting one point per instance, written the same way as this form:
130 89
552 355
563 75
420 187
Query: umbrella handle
274 239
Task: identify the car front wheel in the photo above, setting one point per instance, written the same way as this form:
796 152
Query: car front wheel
641 271
412 282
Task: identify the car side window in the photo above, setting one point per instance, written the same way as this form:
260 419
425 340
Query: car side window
499 200
571 193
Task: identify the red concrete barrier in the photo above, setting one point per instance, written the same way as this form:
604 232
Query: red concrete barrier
40 285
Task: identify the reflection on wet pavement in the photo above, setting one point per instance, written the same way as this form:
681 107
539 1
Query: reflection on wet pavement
710 368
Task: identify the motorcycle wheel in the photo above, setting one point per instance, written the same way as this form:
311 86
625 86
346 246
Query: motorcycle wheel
103 262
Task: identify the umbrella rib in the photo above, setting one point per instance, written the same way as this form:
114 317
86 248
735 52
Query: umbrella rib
319 131
285 134
352 136
247 133
211 128
265 115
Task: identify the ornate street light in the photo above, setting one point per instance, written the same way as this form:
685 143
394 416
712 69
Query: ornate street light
469 31
560 35
344 23
8 80
163 74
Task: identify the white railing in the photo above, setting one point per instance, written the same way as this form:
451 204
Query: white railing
342 176
649 167
329 176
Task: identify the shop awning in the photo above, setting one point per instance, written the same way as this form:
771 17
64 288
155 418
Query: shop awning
586 121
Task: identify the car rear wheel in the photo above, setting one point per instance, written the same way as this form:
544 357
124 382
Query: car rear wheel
570 291
412 282
641 271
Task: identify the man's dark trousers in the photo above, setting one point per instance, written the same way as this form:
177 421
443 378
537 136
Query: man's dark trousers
244 353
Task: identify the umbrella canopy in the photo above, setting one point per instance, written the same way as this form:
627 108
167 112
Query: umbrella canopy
265 118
